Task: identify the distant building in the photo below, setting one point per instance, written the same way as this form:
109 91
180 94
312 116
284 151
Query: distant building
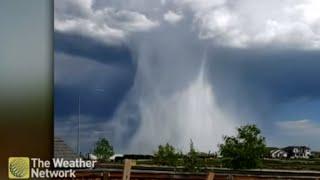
278 153
116 158
293 152
298 152
92 156
137 157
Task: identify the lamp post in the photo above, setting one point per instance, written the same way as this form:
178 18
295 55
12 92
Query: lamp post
79 115
78 133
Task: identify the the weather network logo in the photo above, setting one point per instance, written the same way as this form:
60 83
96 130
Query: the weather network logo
19 168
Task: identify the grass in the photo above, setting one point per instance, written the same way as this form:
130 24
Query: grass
287 164
294 164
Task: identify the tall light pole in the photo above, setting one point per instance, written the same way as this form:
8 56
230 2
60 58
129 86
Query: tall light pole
78 134
79 115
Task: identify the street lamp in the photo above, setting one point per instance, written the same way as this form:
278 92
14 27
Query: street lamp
78 134
79 114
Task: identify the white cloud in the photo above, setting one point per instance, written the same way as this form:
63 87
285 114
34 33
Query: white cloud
303 127
125 20
309 10
200 5
101 32
248 23
172 17
243 23
108 25
71 8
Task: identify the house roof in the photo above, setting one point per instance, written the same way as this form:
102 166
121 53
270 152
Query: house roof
291 147
62 150
277 151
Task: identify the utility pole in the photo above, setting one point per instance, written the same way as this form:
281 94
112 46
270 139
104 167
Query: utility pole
78 135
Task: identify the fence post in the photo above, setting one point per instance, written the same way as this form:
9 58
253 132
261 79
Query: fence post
127 169
105 176
210 176
230 177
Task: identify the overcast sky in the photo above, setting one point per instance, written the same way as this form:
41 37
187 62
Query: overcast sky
155 71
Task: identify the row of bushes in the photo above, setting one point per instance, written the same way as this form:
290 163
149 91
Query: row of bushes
243 151
169 156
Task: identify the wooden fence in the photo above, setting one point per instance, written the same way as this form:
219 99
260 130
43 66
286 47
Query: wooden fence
145 175
129 171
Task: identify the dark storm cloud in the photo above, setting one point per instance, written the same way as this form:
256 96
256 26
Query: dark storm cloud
93 102
282 75
90 48
254 82
100 75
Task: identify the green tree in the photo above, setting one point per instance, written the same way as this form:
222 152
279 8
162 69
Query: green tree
191 161
166 155
244 151
103 149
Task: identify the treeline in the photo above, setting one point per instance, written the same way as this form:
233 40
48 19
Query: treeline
167 155
245 150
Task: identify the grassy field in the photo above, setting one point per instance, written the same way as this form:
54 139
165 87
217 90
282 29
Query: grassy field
296 164
290 164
